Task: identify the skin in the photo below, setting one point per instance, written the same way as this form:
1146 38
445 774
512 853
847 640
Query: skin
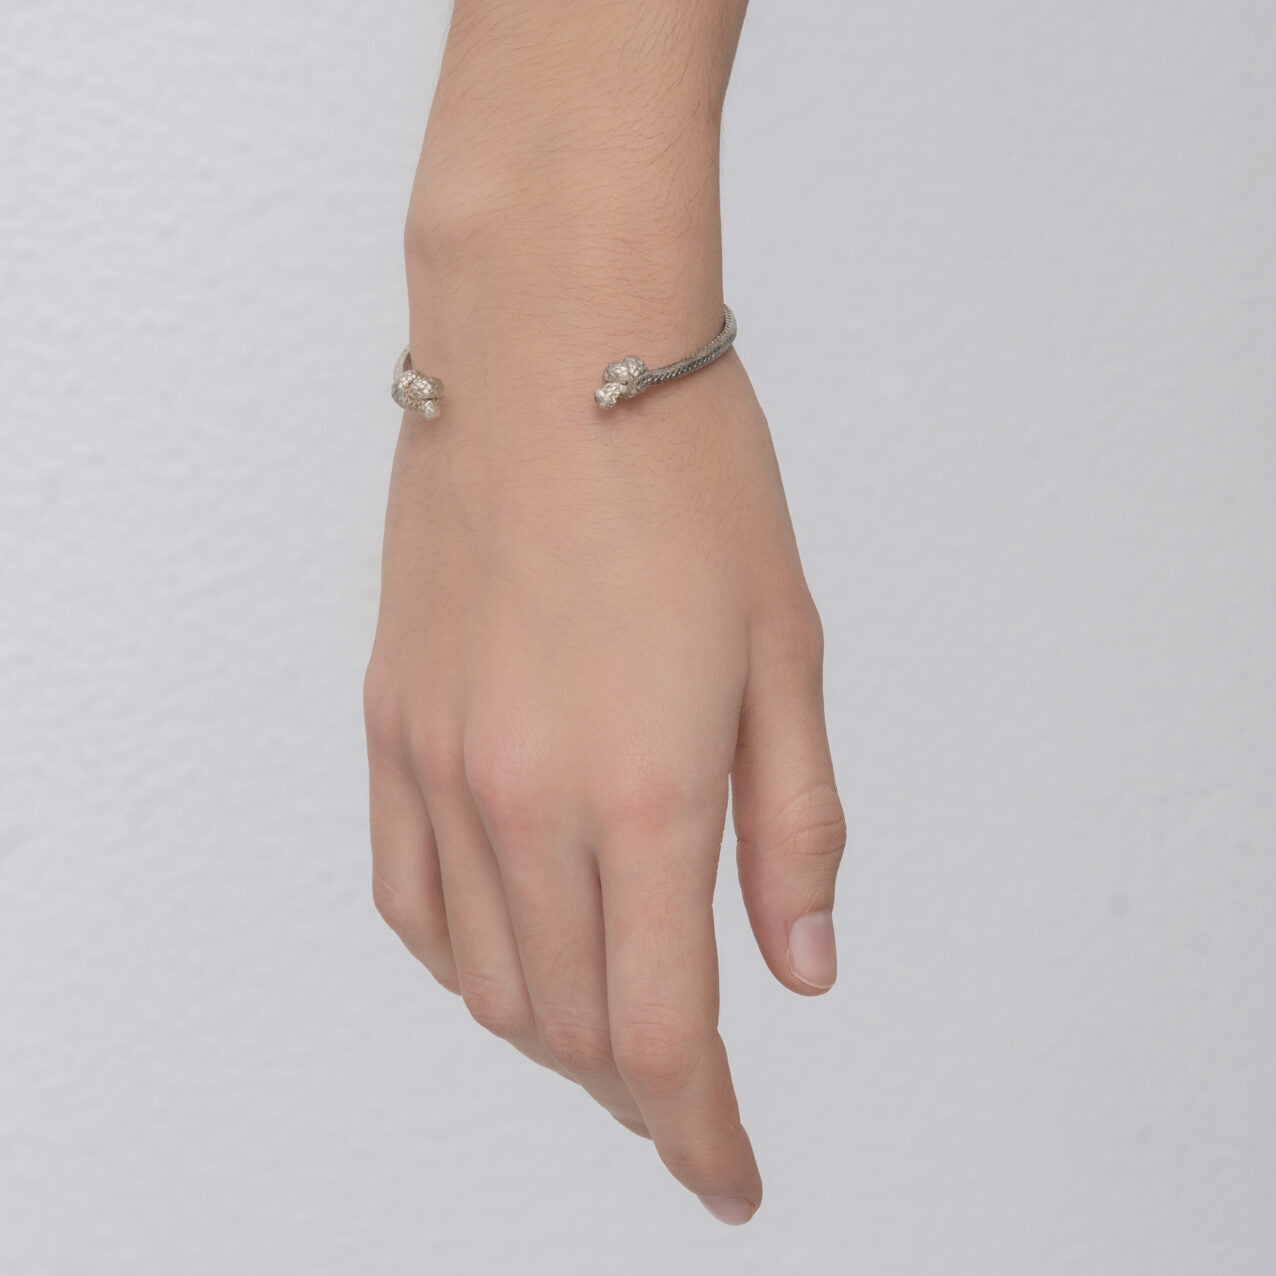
594 627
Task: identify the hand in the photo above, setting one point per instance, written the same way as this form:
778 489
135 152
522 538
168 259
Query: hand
581 637
589 622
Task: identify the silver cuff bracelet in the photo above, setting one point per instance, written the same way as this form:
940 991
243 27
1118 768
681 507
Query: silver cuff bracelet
621 380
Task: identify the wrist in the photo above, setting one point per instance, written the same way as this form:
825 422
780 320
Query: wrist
542 262
565 208
573 228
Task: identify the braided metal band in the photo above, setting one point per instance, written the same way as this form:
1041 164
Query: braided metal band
629 376
411 389
623 379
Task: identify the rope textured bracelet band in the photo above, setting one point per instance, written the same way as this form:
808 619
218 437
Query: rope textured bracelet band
621 380
630 375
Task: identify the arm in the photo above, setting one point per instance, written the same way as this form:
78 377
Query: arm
591 621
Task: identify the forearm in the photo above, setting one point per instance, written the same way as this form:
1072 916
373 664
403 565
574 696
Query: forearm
572 152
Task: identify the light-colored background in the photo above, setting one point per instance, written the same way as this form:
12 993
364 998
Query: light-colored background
1006 274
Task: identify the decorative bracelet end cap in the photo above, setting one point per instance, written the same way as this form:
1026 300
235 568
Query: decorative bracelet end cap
413 390
621 380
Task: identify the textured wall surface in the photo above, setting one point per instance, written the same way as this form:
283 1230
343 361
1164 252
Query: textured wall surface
1006 276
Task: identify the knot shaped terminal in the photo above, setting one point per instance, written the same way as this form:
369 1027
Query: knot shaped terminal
414 391
630 376
621 380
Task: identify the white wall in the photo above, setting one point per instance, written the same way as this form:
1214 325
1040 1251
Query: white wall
1006 276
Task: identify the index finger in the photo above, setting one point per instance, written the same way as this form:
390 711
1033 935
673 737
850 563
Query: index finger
662 995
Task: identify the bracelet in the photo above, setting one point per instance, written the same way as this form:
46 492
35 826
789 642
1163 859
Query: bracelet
413 390
621 380
630 376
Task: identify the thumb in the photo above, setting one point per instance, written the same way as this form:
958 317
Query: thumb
789 824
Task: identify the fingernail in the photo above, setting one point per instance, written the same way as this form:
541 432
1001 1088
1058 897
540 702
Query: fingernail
732 1210
813 950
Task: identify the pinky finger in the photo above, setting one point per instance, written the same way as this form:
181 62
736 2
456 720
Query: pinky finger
407 887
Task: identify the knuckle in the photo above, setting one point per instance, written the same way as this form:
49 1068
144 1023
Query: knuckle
701 1167
657 1051
811 633
414 923
794 634
646 799
494 1005
509 781
812 824
381 713
403 915
436 752
577 1046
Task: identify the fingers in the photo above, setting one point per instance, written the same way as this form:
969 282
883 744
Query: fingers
605 972
551 889
662 989
406 886
489 971
553 895
789 823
